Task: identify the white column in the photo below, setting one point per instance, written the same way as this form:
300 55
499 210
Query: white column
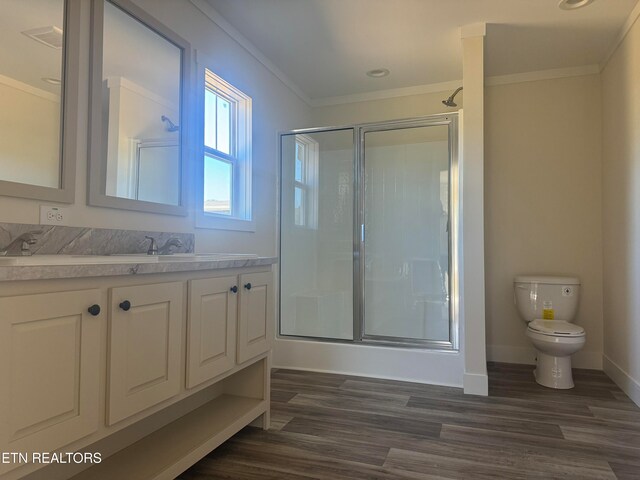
472 210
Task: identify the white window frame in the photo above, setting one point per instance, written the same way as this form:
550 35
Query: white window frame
240 155
309 183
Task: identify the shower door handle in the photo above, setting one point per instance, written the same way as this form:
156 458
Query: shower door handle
362 232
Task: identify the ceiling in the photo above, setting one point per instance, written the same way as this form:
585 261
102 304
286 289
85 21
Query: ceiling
325 46
22 58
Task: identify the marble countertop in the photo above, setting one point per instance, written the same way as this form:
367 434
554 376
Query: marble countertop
48 272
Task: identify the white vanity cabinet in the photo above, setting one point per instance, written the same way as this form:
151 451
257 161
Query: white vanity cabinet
211 341
50 369
228 315
153 370
257 315
145 348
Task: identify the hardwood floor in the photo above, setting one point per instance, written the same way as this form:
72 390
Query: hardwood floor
334 426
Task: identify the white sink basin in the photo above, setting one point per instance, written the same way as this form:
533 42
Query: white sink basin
35 260
205 257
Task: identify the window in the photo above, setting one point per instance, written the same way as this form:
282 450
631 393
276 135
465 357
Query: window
305 176
226 167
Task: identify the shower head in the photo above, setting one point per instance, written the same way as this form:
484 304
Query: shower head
449 101
171 127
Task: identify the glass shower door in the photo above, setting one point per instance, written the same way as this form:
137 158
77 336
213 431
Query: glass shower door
405 252
316 234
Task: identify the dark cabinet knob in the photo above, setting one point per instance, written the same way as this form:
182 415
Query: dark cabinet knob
234 289
126 305
94 310
247 286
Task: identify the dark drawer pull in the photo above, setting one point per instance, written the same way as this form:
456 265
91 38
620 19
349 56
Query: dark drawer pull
247 286
94 310
126 305
234 289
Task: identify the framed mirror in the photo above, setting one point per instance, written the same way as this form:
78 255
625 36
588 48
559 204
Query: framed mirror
39 55
138 133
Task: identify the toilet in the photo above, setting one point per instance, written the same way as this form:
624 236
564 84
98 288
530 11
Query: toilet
548 304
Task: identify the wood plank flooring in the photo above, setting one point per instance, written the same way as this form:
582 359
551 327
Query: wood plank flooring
337 427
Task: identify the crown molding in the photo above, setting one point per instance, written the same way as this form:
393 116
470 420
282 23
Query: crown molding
542 75
383 94
24 87
622 34
241 40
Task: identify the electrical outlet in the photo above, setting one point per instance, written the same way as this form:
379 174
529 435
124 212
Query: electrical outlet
50 215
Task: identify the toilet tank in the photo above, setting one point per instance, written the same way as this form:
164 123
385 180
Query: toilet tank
546 297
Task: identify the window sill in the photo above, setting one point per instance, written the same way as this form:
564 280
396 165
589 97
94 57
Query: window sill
219 222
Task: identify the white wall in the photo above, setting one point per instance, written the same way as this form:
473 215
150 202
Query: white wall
621 213
275 108
543 204
28 112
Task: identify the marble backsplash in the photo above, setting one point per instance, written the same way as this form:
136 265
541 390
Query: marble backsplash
90 241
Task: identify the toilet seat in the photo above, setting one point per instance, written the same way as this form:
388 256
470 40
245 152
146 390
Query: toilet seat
556 328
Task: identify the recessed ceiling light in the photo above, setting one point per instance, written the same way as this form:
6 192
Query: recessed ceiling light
573 4
51 80
378 72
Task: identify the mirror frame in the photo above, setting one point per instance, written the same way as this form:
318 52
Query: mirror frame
97 171
69 102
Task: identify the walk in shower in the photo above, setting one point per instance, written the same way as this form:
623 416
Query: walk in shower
368 226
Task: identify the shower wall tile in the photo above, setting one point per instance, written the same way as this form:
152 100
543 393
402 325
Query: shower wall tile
90 241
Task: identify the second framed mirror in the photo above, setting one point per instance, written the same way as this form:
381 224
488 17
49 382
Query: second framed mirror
139 80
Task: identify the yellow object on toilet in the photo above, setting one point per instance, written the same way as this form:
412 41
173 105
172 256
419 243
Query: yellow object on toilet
547 313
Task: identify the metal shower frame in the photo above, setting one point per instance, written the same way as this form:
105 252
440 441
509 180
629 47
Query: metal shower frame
359 130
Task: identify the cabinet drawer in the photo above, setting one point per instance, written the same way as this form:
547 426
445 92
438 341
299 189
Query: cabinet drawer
50 366
211 339
145 347
256 316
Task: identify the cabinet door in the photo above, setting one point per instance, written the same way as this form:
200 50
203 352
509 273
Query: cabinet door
50 370
211 346
145 347
256 317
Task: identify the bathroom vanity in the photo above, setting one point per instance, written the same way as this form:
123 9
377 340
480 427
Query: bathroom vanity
152 364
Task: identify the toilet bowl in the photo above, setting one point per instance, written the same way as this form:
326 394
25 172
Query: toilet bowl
555 342
548 305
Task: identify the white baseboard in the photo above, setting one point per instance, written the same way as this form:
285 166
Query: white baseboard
527 356
476 384
626 382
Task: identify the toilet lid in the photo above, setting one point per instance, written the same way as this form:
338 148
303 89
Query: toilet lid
556 327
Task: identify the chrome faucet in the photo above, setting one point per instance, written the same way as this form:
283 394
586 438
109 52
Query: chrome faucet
153 247
21 245
166 249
